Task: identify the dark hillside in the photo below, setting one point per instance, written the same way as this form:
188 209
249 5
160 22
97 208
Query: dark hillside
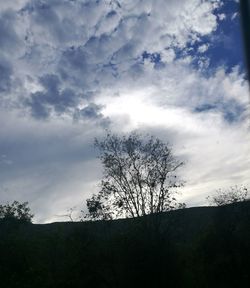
195 247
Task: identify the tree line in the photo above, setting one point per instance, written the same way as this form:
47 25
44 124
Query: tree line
140 177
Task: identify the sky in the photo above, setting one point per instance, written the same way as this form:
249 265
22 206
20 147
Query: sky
69 69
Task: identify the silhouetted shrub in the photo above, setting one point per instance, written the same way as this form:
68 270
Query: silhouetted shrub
16 211
228 196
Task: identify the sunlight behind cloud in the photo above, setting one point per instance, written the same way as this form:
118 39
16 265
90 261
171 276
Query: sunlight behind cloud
140 108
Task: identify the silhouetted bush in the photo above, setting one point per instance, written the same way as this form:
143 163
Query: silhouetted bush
228 196
16 211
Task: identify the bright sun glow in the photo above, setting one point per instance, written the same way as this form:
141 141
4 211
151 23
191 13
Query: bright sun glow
139 109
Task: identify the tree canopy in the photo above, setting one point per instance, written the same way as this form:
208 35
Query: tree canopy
228 196
139 177
17 211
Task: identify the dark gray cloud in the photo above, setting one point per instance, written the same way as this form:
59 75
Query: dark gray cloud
75 68
46 14
9 42
9 39
231 110
92 111
5 75
52 98
55 99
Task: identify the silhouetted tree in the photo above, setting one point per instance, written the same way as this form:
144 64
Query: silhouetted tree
227 196
70 215
16 210
139 177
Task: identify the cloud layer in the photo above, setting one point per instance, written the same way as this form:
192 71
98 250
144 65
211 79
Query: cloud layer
70 68
66 51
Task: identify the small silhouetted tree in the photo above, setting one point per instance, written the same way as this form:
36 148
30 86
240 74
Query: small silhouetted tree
228 196
139 177
16 210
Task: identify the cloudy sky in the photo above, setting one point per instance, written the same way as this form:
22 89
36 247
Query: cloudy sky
69 69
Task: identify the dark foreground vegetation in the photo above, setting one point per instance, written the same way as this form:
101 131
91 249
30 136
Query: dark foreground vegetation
195 247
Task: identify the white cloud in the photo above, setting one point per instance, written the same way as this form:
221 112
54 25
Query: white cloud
236 14
13 5
168 55
222 16
203 48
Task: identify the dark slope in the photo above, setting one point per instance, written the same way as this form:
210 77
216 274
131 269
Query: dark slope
195 247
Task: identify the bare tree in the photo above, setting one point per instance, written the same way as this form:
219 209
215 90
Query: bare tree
228 196
69 214
139 177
